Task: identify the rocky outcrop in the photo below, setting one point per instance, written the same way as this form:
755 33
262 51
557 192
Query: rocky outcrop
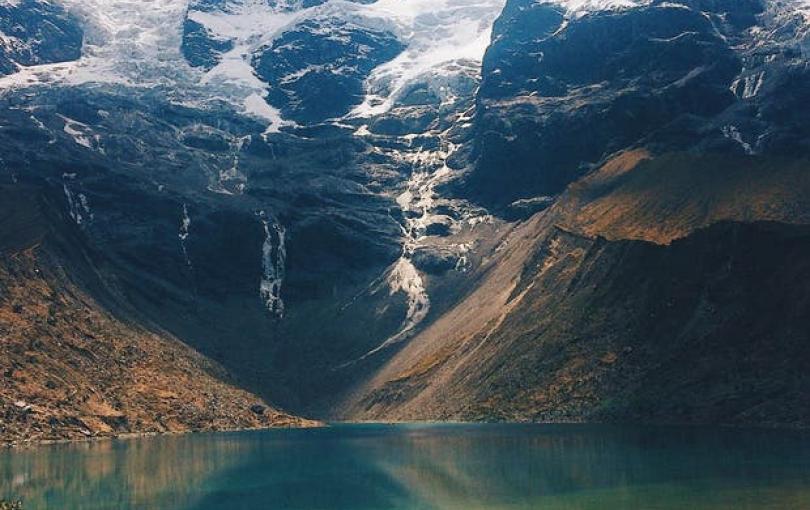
34 32
317 70
561 91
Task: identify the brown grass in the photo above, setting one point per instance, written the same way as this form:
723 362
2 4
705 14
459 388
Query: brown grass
662 198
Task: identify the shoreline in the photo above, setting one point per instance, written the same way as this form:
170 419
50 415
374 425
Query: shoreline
29 443
316 424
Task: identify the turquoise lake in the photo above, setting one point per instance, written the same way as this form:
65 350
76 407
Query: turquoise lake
380 467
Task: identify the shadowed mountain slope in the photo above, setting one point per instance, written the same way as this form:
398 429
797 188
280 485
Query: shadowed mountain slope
76 366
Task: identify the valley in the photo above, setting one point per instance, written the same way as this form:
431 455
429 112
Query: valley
571 211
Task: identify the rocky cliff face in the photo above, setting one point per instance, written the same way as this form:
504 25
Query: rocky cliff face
75 363
563 90
35 32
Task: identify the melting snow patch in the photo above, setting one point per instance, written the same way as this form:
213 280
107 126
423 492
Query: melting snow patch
748 86
81 133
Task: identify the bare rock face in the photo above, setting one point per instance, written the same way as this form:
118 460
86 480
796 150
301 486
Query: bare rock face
36 32
561 91
73 367
317 71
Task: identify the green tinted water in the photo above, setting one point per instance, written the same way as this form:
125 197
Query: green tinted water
422 467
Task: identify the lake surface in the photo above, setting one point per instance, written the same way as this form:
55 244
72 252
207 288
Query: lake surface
470 467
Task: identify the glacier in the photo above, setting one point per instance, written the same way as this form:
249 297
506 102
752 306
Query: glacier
136 43
132 43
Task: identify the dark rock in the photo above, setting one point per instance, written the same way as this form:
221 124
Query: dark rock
200 47
440 227
434 260
316 71
555 98
37 32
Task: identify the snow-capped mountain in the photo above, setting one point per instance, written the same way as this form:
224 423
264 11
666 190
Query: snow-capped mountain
207 170
366 53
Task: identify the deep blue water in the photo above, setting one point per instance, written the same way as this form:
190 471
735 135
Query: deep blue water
469 467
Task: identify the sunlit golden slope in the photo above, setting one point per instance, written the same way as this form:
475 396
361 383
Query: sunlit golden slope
669 288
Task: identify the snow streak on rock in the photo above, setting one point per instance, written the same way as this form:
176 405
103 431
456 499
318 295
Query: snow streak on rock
185 225
419 202
231 181
733 133
78 205
748 86
274 262
248 25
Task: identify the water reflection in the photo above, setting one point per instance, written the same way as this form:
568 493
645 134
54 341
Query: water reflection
422 467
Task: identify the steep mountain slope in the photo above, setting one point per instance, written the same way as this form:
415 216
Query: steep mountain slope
648 288
572 321
72 368
297 256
